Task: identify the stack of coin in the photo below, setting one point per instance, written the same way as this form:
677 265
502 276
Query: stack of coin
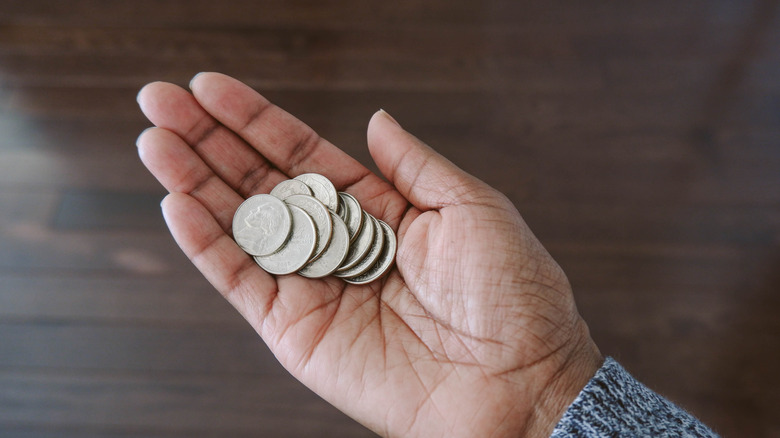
304 225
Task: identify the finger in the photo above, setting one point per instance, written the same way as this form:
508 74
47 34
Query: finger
228 268
228 155
420 174
289 144
180 169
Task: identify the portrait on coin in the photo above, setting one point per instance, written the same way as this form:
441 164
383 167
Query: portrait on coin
260 222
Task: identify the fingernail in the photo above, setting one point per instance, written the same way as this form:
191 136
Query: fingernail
138 139
138 95
193 79
389 117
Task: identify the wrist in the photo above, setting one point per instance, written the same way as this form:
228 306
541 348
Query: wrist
569 373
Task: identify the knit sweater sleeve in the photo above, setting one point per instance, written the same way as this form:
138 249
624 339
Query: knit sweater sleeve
614 404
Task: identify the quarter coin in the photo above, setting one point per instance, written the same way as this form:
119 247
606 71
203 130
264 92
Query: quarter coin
373 253
333 256
351 212
321 216
290 187
343 212
362 244
382 266
304 225
297 251
322 189
261 225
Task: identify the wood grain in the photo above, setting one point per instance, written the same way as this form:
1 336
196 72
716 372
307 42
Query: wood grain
638 139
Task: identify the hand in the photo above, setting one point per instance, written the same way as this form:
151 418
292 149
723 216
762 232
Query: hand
473 333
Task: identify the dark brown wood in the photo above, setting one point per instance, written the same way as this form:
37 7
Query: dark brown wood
172 403
638 139
127 299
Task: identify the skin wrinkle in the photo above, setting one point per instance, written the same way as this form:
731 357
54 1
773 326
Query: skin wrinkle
370 199
230 289
252 309
426 400
557 377
408 214
356 183
236 280
461 194
212 126
500 423
477 357
265 316
317 337
543 272
380 304
370 324
199 182
275 308
427 315
252 161
332 324
473 338
411 330
505 373
222 215
194 181
426 360
213 243
375 318
263 111
153 136
207 245
543 316
468 351
444 354
542 341
412 184
250 182
415 247
302 152
409 361
439 382
261 107
521 281
337 298
460 337
552 309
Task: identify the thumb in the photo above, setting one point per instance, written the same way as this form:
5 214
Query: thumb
420 174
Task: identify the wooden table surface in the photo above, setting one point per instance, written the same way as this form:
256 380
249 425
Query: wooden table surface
640 141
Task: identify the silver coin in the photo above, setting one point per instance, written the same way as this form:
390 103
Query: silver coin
343 212
373 253
334 255
352 214
362 244
385 261
290 187
261 225
322 189
297 251
321 216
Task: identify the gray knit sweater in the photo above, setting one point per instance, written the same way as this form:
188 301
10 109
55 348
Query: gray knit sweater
614 404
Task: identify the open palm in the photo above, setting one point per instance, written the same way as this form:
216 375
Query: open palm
473 333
